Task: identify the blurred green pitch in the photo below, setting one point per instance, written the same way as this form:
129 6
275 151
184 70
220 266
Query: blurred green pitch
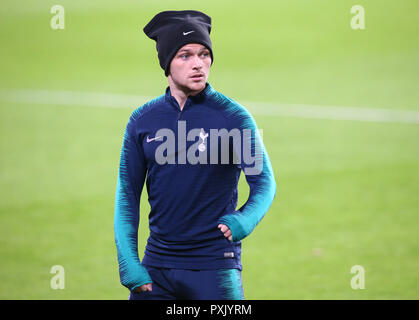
347 190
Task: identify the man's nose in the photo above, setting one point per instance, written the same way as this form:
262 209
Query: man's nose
197 62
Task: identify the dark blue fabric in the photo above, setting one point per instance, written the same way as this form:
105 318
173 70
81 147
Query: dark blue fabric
180 284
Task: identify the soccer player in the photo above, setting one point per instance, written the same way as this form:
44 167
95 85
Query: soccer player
189 145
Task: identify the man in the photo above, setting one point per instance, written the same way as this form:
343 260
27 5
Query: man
173 143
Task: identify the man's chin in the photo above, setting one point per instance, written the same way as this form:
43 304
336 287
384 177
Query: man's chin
197 86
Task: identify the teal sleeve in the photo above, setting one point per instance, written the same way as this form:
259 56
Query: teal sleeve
131 176
259 176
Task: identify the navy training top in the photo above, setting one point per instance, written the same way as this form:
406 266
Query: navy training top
191 160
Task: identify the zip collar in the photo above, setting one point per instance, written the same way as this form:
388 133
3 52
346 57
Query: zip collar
191 99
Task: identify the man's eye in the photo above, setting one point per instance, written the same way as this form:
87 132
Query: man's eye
184 55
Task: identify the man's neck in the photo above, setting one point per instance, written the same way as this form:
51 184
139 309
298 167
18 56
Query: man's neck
181 95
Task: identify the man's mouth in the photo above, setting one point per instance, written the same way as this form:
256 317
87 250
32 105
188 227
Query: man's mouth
197 76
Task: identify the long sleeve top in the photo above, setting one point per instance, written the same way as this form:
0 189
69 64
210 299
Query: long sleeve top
190 161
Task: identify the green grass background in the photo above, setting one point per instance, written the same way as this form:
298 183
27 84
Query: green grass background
347 190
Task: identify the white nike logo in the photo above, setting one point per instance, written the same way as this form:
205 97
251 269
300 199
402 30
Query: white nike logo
152 139
185 33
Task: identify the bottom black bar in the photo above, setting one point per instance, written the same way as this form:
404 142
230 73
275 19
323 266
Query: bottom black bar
247 309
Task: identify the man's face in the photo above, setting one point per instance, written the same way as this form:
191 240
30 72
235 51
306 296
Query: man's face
189 69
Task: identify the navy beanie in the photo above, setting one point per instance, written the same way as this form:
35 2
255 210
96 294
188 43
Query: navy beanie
173 29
